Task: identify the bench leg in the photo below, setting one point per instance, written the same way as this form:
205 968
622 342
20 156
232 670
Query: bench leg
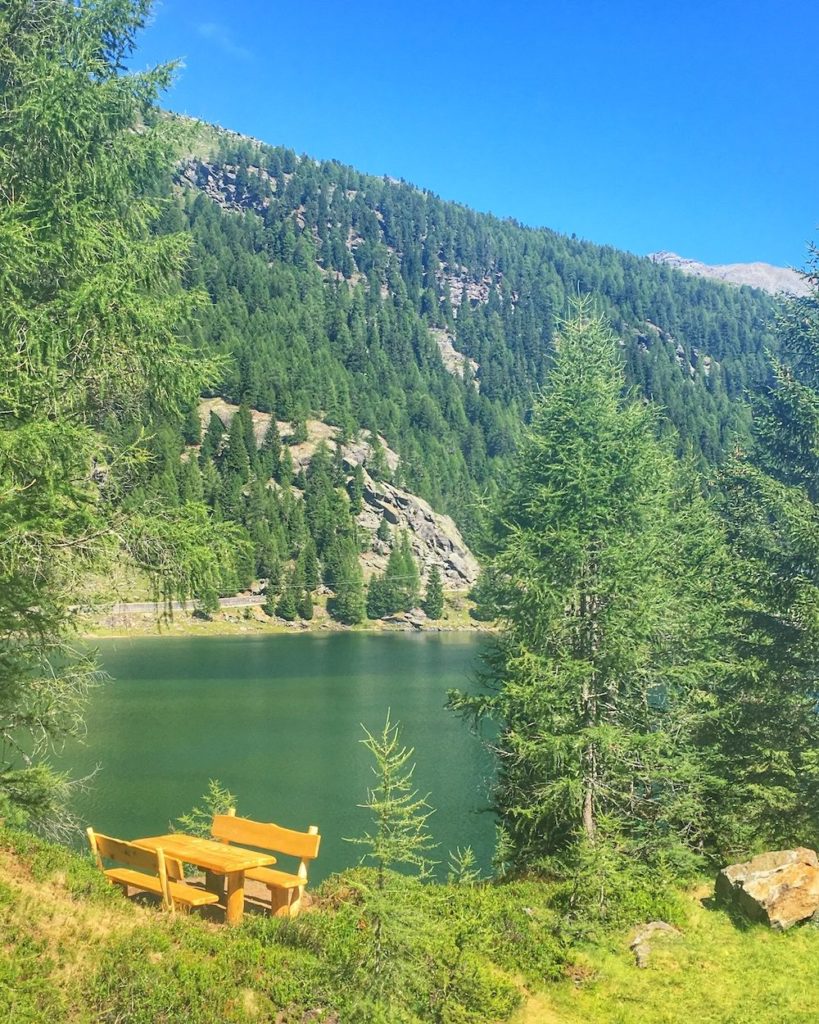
284 902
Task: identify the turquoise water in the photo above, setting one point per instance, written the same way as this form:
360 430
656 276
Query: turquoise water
277 720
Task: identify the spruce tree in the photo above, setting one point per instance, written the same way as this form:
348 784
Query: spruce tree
347 605
605 627
309 565
212 441
764 730
355 489
90 321
433 603
378 602
410 578
270 452
286 606
304 605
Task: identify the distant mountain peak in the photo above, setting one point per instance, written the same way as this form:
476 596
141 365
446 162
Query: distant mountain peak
765 276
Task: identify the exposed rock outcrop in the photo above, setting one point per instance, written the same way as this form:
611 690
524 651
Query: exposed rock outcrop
434 538
771 279
455 362
780 888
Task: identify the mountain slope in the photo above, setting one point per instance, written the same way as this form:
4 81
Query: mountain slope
436 300
380 311
765 276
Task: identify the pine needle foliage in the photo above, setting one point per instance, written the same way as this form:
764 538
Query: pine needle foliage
198 821
433 603
91 308
400 835
764 731
601 571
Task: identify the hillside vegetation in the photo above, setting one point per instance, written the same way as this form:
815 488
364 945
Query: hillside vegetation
73 950
381 311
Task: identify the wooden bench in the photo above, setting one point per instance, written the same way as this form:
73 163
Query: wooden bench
286 889
146 870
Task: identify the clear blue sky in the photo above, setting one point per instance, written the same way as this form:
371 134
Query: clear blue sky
688 125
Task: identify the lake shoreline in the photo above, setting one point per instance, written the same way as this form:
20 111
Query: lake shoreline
252 621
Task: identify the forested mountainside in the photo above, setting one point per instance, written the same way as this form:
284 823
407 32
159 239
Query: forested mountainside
375 306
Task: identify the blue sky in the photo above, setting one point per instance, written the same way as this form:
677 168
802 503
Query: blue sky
645 124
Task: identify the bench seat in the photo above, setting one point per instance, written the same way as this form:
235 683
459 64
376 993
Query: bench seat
274 879
190 895
286 888
136 879
180 892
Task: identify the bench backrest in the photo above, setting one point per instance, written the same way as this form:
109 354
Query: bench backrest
150 861
267 836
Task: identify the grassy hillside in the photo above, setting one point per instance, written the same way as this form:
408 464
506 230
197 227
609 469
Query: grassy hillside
73 950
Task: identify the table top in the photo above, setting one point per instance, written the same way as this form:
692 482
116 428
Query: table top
221 858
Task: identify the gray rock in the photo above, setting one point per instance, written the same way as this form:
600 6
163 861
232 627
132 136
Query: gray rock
640 945
780 888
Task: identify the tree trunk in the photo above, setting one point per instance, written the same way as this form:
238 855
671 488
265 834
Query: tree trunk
589 645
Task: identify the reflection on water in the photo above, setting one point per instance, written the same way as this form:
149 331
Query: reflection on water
277 720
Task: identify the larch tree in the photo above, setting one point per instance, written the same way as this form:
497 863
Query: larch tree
601 570
91 310
763 731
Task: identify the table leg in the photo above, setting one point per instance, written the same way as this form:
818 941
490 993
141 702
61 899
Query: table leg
235 899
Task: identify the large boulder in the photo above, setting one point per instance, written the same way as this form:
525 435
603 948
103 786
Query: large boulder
780 888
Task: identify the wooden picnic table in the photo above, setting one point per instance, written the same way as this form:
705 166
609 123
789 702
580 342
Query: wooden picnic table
217 859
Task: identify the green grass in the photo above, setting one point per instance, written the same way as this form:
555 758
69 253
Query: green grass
73 950
720 971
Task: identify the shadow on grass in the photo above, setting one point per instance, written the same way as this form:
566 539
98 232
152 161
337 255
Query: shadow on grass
717 906
255 906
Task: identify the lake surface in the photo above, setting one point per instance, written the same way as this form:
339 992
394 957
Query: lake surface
278 721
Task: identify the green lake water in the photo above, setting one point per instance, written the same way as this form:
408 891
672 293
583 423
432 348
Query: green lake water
277 720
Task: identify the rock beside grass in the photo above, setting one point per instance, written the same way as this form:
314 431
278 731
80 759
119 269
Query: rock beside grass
640 945
779 889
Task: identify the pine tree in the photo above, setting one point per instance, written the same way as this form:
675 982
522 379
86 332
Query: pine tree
377 463
600 576
309 565
270 602
397 589
347 605
192 429
270 453
409 576
355 489
379 603
433 603
286 605
89 350
212 442
764 730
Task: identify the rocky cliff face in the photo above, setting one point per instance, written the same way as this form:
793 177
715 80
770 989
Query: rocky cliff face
774 280
435 539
